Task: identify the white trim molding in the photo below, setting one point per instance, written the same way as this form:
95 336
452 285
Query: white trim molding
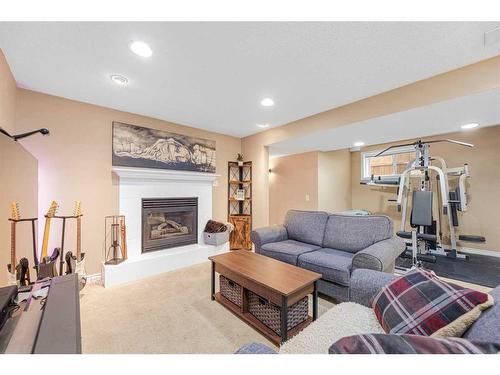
130 174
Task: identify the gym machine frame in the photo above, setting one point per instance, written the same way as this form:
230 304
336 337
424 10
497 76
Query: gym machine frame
448 202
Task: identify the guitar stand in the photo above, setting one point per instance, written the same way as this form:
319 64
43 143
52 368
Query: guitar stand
33 234
63 218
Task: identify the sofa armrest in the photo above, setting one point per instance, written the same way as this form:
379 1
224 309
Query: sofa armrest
255 348
265 235
380 256
365 284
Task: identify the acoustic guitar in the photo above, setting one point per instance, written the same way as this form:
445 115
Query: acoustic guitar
47 264
76 264
18 273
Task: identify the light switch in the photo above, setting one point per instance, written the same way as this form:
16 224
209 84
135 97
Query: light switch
307 197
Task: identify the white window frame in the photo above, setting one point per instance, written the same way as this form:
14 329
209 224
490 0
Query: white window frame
365 167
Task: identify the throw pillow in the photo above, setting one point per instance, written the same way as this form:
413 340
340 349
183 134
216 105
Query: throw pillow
409 344
420 303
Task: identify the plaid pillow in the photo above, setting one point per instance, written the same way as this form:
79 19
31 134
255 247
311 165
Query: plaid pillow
420 303
409 344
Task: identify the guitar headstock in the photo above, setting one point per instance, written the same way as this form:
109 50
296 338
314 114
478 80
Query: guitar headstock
14 211
52 209
78 209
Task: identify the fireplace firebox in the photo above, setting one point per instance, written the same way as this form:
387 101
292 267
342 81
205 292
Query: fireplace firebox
169 222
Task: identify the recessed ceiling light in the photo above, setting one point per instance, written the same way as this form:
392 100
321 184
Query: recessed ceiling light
141 49
472 125
119 80
267 102
262 125
359 144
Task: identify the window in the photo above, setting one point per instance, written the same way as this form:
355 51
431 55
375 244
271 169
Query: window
391 164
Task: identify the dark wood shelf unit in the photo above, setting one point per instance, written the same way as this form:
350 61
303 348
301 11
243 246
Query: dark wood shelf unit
239 211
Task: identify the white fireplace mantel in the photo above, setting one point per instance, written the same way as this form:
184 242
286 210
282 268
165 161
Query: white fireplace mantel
138 183
128 174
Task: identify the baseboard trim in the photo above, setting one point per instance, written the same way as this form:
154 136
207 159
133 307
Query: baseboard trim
95 278
470 250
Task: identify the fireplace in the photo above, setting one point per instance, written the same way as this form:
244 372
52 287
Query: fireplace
169 222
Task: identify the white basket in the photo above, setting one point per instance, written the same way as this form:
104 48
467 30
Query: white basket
216 239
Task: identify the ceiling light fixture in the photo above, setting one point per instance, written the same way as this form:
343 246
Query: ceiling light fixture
119 80
267 102
141 49
472 125
262 126
359 144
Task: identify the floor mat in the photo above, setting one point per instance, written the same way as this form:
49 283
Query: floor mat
479 269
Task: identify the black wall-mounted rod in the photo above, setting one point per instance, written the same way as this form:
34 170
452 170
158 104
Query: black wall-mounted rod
43 131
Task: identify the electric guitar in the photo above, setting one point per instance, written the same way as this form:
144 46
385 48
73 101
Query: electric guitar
47 265
18 273
76 264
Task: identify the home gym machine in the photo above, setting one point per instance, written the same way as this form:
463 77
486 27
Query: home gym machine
423 177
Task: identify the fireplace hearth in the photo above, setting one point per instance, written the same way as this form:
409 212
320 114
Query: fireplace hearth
169 222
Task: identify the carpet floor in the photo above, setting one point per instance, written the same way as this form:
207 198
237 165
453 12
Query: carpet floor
168 313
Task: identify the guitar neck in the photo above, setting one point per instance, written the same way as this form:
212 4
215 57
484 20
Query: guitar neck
13 261
79 238
46 233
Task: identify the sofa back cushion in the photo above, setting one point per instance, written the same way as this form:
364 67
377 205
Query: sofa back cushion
306 226
487 327
355 233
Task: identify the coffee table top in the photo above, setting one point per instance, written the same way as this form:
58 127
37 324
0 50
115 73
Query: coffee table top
270 273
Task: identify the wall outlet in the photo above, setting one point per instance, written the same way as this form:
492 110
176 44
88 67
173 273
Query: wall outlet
307 197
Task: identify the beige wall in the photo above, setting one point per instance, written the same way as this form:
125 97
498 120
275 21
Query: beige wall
464 81
19 179
75 162
334 177
7 96
291 179
482 218
324 177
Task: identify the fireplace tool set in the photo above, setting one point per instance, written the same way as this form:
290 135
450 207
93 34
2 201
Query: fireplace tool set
115 247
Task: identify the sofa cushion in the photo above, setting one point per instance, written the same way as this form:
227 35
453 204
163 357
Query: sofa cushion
487 327
287 251
255 348
334 265
409 344
355 233
306 226
419 303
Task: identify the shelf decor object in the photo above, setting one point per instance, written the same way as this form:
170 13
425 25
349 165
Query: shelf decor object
240 203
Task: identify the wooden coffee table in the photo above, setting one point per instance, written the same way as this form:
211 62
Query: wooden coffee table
279 282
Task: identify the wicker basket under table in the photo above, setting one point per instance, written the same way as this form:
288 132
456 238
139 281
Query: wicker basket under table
270 314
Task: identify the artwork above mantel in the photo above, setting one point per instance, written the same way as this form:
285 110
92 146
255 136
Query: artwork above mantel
135 146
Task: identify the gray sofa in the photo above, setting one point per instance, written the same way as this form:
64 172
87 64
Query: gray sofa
333 245
365 284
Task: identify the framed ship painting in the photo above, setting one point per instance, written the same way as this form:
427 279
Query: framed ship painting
135 146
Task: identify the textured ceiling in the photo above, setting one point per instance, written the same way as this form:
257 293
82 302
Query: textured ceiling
213 75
